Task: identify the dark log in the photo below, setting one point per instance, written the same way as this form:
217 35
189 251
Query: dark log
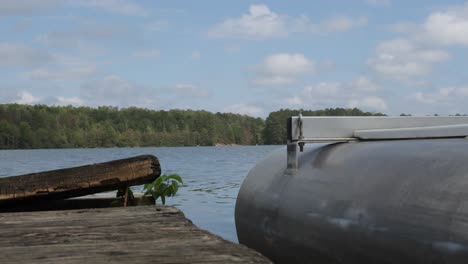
85 202
79 181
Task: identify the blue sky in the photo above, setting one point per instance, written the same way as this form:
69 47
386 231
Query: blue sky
237 56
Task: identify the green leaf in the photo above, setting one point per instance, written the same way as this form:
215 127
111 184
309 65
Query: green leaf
175 186
174 177
164 186
158 181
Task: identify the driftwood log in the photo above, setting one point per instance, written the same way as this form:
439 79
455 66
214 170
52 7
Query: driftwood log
79 181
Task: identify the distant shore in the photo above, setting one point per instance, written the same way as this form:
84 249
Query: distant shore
47 127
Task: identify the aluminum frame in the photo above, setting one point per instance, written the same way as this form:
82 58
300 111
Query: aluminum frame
302 130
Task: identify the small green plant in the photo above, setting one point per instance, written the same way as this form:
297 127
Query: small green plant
164 186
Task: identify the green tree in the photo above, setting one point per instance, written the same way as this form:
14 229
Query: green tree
41 126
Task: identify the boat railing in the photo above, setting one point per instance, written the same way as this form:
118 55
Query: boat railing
313 129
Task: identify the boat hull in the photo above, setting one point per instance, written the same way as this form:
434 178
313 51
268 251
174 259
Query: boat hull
401 201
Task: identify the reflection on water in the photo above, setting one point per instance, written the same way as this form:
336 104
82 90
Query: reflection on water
212 175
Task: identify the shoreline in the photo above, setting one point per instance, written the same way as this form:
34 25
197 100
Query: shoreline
128 147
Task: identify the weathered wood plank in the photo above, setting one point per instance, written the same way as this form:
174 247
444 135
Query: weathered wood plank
79 181
141 234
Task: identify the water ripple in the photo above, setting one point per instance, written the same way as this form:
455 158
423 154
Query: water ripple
212 175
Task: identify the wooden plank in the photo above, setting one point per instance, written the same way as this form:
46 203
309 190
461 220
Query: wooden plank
142 234
80 181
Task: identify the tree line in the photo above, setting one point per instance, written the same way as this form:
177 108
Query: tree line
42 126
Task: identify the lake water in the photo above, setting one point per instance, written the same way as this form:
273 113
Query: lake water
212 175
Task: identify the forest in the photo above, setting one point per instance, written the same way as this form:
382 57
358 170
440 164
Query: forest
42 126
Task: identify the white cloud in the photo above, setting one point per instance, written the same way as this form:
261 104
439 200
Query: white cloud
363 84
262 23
182 90
369 102
245 109
259 23
30 7
443 95
27 98
380 2
149 54
449 27
26 7
61 100
196 55
282 68
454 92
343 23
63 67
69 101
405 28
294 101
123 7
447 100
304 24
422 97
84 34
116 91
287 64
72 73
401 59
360 92
18 55
419 49
440 28
323 89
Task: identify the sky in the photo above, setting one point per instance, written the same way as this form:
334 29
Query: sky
237 56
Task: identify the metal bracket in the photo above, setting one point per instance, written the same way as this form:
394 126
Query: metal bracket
291 156
301 133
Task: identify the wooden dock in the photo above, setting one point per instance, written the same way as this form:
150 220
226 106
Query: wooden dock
141 234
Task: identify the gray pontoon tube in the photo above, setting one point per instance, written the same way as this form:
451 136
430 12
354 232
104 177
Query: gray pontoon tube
391 200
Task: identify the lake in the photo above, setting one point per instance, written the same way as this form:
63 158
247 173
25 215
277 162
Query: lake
212 175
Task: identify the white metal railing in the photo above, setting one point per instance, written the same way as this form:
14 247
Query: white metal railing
303 130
